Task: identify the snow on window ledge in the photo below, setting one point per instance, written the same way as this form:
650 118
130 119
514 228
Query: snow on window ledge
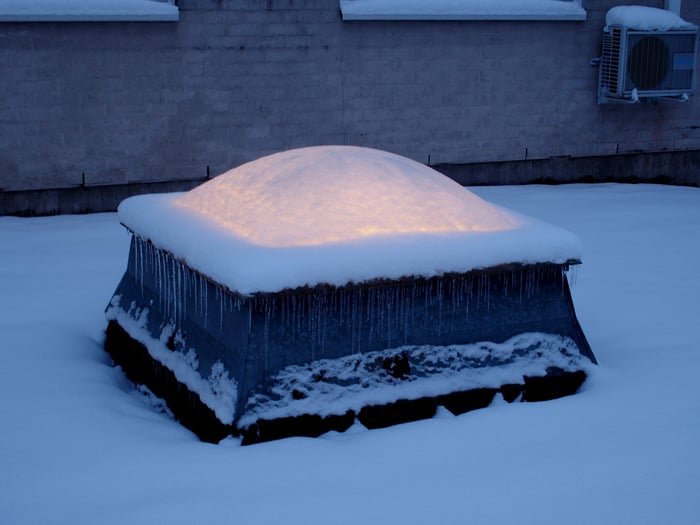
563 10
88 11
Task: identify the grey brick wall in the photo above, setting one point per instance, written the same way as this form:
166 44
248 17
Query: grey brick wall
118 103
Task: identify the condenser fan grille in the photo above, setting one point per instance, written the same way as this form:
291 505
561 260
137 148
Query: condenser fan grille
648 62
659 62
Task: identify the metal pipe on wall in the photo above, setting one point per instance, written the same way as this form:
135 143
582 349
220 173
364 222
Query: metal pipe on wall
673 5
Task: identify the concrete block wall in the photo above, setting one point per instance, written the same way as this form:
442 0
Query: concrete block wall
92 104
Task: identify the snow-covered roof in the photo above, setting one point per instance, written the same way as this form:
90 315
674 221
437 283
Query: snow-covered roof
88 11
336 215
645 18
462 10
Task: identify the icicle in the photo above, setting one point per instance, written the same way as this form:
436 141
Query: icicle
295 316
173 284
440 301
172 303
312 326
266 333
452 286
195 293
572 274
403 299
414 294
161 294
371 309
202 284
351 324
488 292
427 293
467 293
156 263
178 296
138 263
361 298
164 283
180 293
220 300
388 306
183 290
326 312
289 316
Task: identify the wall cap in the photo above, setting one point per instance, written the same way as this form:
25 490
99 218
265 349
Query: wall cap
444 10
88 11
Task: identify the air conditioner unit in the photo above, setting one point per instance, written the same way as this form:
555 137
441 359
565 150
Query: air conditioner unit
652 64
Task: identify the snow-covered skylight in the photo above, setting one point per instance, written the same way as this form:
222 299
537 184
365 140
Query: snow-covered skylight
88 11
645 18
335 215
462 10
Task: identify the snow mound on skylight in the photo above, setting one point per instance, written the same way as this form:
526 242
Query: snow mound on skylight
645 18
337 215
331 194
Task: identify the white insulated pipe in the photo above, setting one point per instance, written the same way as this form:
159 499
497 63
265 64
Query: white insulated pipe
673 5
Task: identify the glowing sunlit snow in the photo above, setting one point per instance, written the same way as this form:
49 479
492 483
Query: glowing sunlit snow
322 195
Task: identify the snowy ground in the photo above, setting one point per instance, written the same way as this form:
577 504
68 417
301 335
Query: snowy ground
80 446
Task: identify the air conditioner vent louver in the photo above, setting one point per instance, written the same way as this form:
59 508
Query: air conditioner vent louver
639 64
610 65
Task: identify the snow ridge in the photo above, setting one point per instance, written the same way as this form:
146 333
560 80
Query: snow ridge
334 386
219 391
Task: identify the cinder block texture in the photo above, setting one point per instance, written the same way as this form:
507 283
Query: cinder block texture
119 103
